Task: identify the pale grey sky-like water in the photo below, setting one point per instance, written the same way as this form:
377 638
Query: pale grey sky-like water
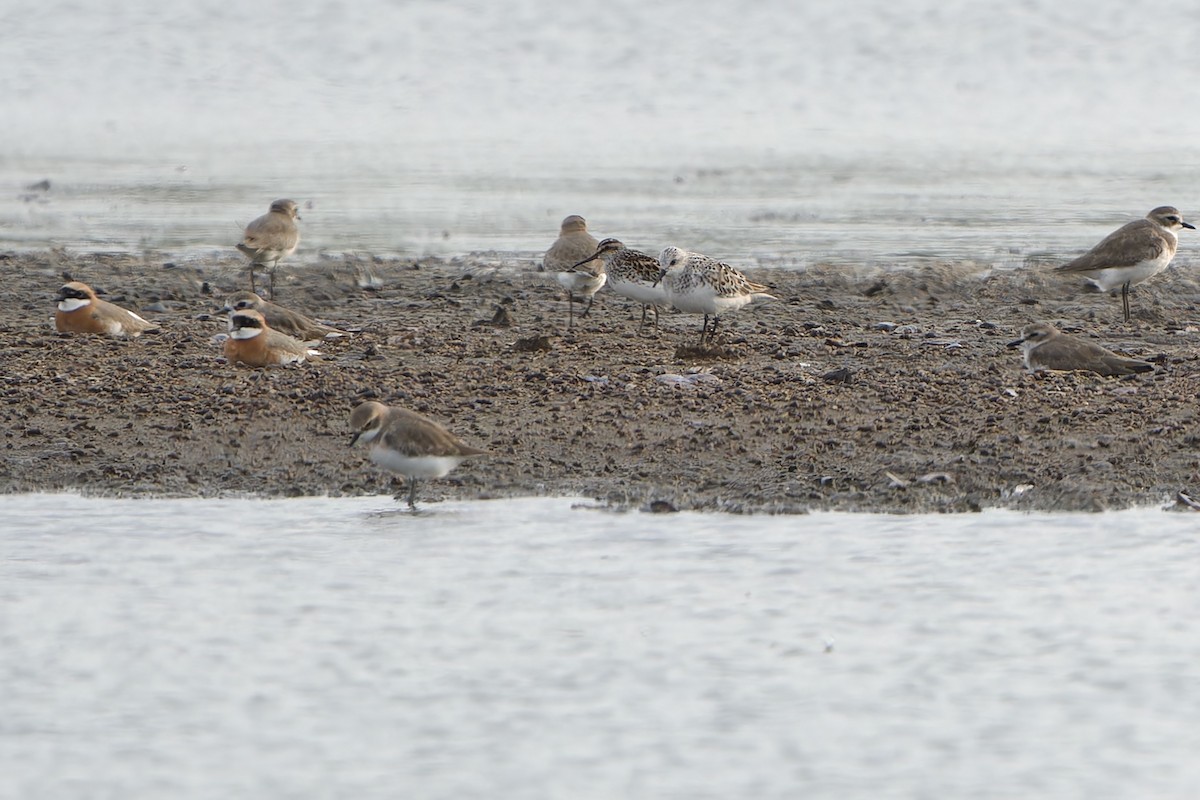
543 648
866 131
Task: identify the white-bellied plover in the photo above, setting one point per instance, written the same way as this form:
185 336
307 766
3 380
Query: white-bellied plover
403 441
1132 253
270 239
1047 348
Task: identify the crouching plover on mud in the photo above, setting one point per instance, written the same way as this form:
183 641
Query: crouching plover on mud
271 238
281 319
632 274
81 311
403 441
1048 348
698 284
1132 253
252 342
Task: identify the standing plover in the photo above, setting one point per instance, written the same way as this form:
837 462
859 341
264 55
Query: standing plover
403 441
80 311
281 319
573 245
271 238
252 342
1048 348
571 258
632 274
1131 253
698 284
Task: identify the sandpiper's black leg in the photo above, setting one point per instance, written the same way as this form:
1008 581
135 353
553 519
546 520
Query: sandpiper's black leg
412 493
1125 299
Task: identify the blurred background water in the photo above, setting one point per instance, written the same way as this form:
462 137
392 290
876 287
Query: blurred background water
781 133
328 648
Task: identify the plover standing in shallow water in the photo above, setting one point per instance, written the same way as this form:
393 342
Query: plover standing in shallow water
252 342
81 311
281 319
403 441
1048 348
271 238
698 284
632 274
1132 253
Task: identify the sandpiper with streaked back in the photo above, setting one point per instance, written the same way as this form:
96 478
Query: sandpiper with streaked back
632 274
403 441
79 310
699 284
1134 252
271 238
1047 348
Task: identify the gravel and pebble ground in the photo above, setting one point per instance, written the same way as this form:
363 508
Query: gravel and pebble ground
858 390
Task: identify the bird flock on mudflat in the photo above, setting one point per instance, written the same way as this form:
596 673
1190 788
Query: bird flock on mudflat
262 333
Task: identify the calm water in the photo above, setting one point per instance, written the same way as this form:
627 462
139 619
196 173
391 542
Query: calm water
868 131
343 648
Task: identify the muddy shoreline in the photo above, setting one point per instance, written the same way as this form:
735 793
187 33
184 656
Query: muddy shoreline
857 390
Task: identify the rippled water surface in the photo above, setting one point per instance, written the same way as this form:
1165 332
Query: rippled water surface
536 648
868 131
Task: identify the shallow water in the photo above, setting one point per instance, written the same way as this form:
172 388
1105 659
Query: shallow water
538 648
864 132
